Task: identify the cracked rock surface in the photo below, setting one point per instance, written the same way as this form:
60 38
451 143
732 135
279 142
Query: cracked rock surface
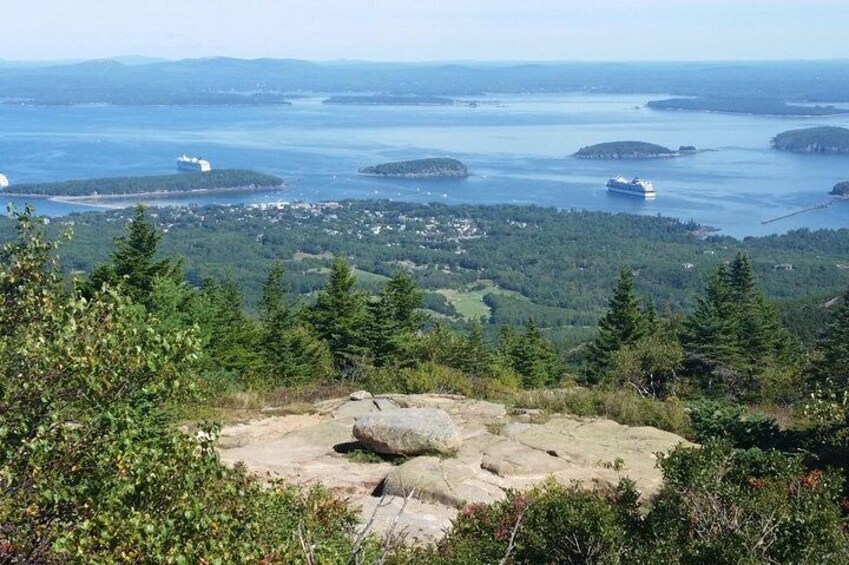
494 452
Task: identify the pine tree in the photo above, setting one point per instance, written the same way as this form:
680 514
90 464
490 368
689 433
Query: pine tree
340 316
477 358
713 329
394 319
133 267
830 371
624 324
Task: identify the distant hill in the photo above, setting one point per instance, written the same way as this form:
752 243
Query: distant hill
824 139
419 168
220 179
625 150
219 80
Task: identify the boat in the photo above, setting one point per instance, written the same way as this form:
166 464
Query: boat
4 182
636 187
193 164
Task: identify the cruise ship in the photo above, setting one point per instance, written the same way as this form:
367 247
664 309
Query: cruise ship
193 164
637 187
4 182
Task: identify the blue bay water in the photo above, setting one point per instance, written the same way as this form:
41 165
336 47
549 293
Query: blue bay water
518 151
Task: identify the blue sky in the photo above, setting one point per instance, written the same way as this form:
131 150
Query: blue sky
427 30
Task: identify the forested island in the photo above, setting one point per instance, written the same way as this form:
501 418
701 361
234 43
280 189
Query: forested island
210 181
748 105
630 150
433 168
841 189
386 100
823 139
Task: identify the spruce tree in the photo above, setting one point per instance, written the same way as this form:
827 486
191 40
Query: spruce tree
713 329
340 317
624 324
133 267
477 358
395 319
830 370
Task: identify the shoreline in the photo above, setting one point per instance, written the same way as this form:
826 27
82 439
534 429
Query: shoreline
93 200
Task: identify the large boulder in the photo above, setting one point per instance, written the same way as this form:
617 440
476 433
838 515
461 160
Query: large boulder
408 431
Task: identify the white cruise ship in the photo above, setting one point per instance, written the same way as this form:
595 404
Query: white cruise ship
193 164
4 182
636 187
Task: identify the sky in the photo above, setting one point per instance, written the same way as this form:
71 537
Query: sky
426 30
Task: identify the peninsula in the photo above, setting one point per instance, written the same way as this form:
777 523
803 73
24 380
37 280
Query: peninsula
419 169
631 150
824 139
223 180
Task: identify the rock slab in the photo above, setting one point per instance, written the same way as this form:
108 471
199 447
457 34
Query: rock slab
408 431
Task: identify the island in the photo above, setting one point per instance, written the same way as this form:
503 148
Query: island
630 150
823 139
438 168
222 180
386 100
841 189
759 106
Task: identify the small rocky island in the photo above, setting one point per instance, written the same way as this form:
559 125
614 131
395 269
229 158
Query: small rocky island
824 139
221 180
436 168
631 150
841 189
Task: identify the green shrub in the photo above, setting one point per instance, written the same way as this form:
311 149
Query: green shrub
714 420
623 406
421 379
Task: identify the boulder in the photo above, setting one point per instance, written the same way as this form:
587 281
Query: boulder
445 481
408 431
361 395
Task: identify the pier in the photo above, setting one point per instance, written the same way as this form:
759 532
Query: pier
819 206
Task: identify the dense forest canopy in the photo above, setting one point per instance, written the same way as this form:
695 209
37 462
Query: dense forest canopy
624 149
218 179
439 167
510 261
823 139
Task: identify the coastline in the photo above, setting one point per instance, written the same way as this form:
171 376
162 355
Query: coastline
93 200
436 176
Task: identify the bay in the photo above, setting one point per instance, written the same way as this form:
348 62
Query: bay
518 148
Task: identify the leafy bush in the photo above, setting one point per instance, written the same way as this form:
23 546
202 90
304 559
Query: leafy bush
421 379
92 469
714 420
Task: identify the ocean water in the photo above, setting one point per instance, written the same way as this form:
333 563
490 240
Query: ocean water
517 147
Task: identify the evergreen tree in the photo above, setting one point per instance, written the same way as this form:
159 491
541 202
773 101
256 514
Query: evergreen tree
133 267
760 333
532 356
830 369
713 329
292 353
624 324
340 316
477 357
395 319
232 336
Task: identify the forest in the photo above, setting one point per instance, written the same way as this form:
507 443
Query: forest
218 179
440 167
823 139
100 367
744 105
504 263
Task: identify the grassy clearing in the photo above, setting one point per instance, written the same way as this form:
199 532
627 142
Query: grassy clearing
469 301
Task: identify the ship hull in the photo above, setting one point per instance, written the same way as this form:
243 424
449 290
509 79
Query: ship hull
632 192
